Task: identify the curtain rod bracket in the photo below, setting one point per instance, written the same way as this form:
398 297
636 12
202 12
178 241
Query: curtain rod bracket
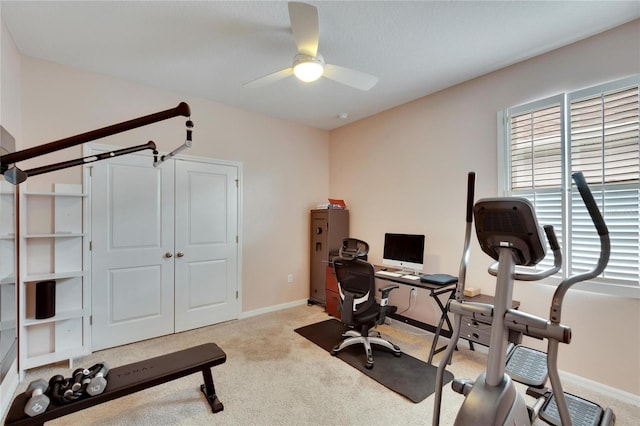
185 145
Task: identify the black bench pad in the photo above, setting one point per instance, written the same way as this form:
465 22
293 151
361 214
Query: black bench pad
132 378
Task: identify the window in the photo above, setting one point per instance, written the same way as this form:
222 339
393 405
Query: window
594 131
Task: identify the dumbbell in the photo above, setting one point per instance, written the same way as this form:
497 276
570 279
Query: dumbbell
80 379
59 388
38 402
98 382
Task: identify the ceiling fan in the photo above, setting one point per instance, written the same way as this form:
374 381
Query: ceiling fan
308 65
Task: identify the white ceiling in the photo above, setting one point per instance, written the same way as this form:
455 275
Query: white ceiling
209 49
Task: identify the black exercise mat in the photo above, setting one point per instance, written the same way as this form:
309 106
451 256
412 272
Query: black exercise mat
405 375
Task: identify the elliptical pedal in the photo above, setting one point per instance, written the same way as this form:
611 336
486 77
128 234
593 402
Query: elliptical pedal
583 412
527 366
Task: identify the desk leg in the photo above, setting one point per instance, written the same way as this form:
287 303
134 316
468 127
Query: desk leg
434 344
443 317
443 309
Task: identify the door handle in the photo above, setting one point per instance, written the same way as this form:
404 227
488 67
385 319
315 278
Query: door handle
168 254
179 254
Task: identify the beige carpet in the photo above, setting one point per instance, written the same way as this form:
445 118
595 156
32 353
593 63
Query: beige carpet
273 376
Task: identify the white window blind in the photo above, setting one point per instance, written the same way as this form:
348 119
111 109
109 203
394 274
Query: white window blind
604 146
595 131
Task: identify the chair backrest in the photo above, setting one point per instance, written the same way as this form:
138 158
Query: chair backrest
356 278
353 248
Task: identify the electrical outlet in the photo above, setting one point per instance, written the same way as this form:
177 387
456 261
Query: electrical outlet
290 278
414 292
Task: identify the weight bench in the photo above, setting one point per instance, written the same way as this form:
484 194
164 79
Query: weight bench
135 377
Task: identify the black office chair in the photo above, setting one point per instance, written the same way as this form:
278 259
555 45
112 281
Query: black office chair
359 309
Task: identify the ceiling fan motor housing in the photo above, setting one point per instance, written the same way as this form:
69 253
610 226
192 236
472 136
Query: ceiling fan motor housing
308 68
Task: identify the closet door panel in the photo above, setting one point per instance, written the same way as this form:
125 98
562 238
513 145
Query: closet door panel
206 244
135 302
132 235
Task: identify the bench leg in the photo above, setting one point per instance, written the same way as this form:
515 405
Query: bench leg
209 391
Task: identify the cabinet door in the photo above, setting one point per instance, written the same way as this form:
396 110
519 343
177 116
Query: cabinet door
206 261
319 254
132 250
332 294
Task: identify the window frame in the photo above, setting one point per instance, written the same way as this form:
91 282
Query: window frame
606 286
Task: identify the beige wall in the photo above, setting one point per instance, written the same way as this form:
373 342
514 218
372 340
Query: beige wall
405 170
285 165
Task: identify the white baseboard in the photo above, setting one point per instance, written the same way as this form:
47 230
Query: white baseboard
606 390
272 308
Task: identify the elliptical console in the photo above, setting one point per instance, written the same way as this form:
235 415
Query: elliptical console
510 223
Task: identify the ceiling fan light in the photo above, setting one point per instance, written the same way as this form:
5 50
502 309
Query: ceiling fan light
307 68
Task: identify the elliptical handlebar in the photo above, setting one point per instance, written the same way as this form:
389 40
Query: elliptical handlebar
471 184
462 272
590 203
605 249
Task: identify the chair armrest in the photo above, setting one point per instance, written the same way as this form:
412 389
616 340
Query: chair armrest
346 311
384 301
386 290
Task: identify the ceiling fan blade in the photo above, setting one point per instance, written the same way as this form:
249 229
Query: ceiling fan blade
305 27
349 77
269 78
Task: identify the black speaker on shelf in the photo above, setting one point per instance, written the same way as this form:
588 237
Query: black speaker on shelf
45 299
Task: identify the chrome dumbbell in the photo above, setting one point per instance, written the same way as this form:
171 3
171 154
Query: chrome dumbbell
38 402
99 381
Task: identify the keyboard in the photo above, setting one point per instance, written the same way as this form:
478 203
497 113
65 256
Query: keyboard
389 274
411 277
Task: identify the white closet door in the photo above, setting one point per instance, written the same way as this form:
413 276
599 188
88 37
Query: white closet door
206 245
132 238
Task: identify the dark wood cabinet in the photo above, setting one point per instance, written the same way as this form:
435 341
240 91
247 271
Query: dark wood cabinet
328 228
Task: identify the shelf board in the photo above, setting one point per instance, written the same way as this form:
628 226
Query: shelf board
60 316
53 276
56 235
57 356
55 194
8 280
8 325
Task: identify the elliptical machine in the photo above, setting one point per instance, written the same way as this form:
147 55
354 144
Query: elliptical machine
508 231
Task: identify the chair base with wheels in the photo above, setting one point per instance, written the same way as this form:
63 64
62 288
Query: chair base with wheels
367 338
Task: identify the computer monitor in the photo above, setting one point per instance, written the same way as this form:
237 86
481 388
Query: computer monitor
404 250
